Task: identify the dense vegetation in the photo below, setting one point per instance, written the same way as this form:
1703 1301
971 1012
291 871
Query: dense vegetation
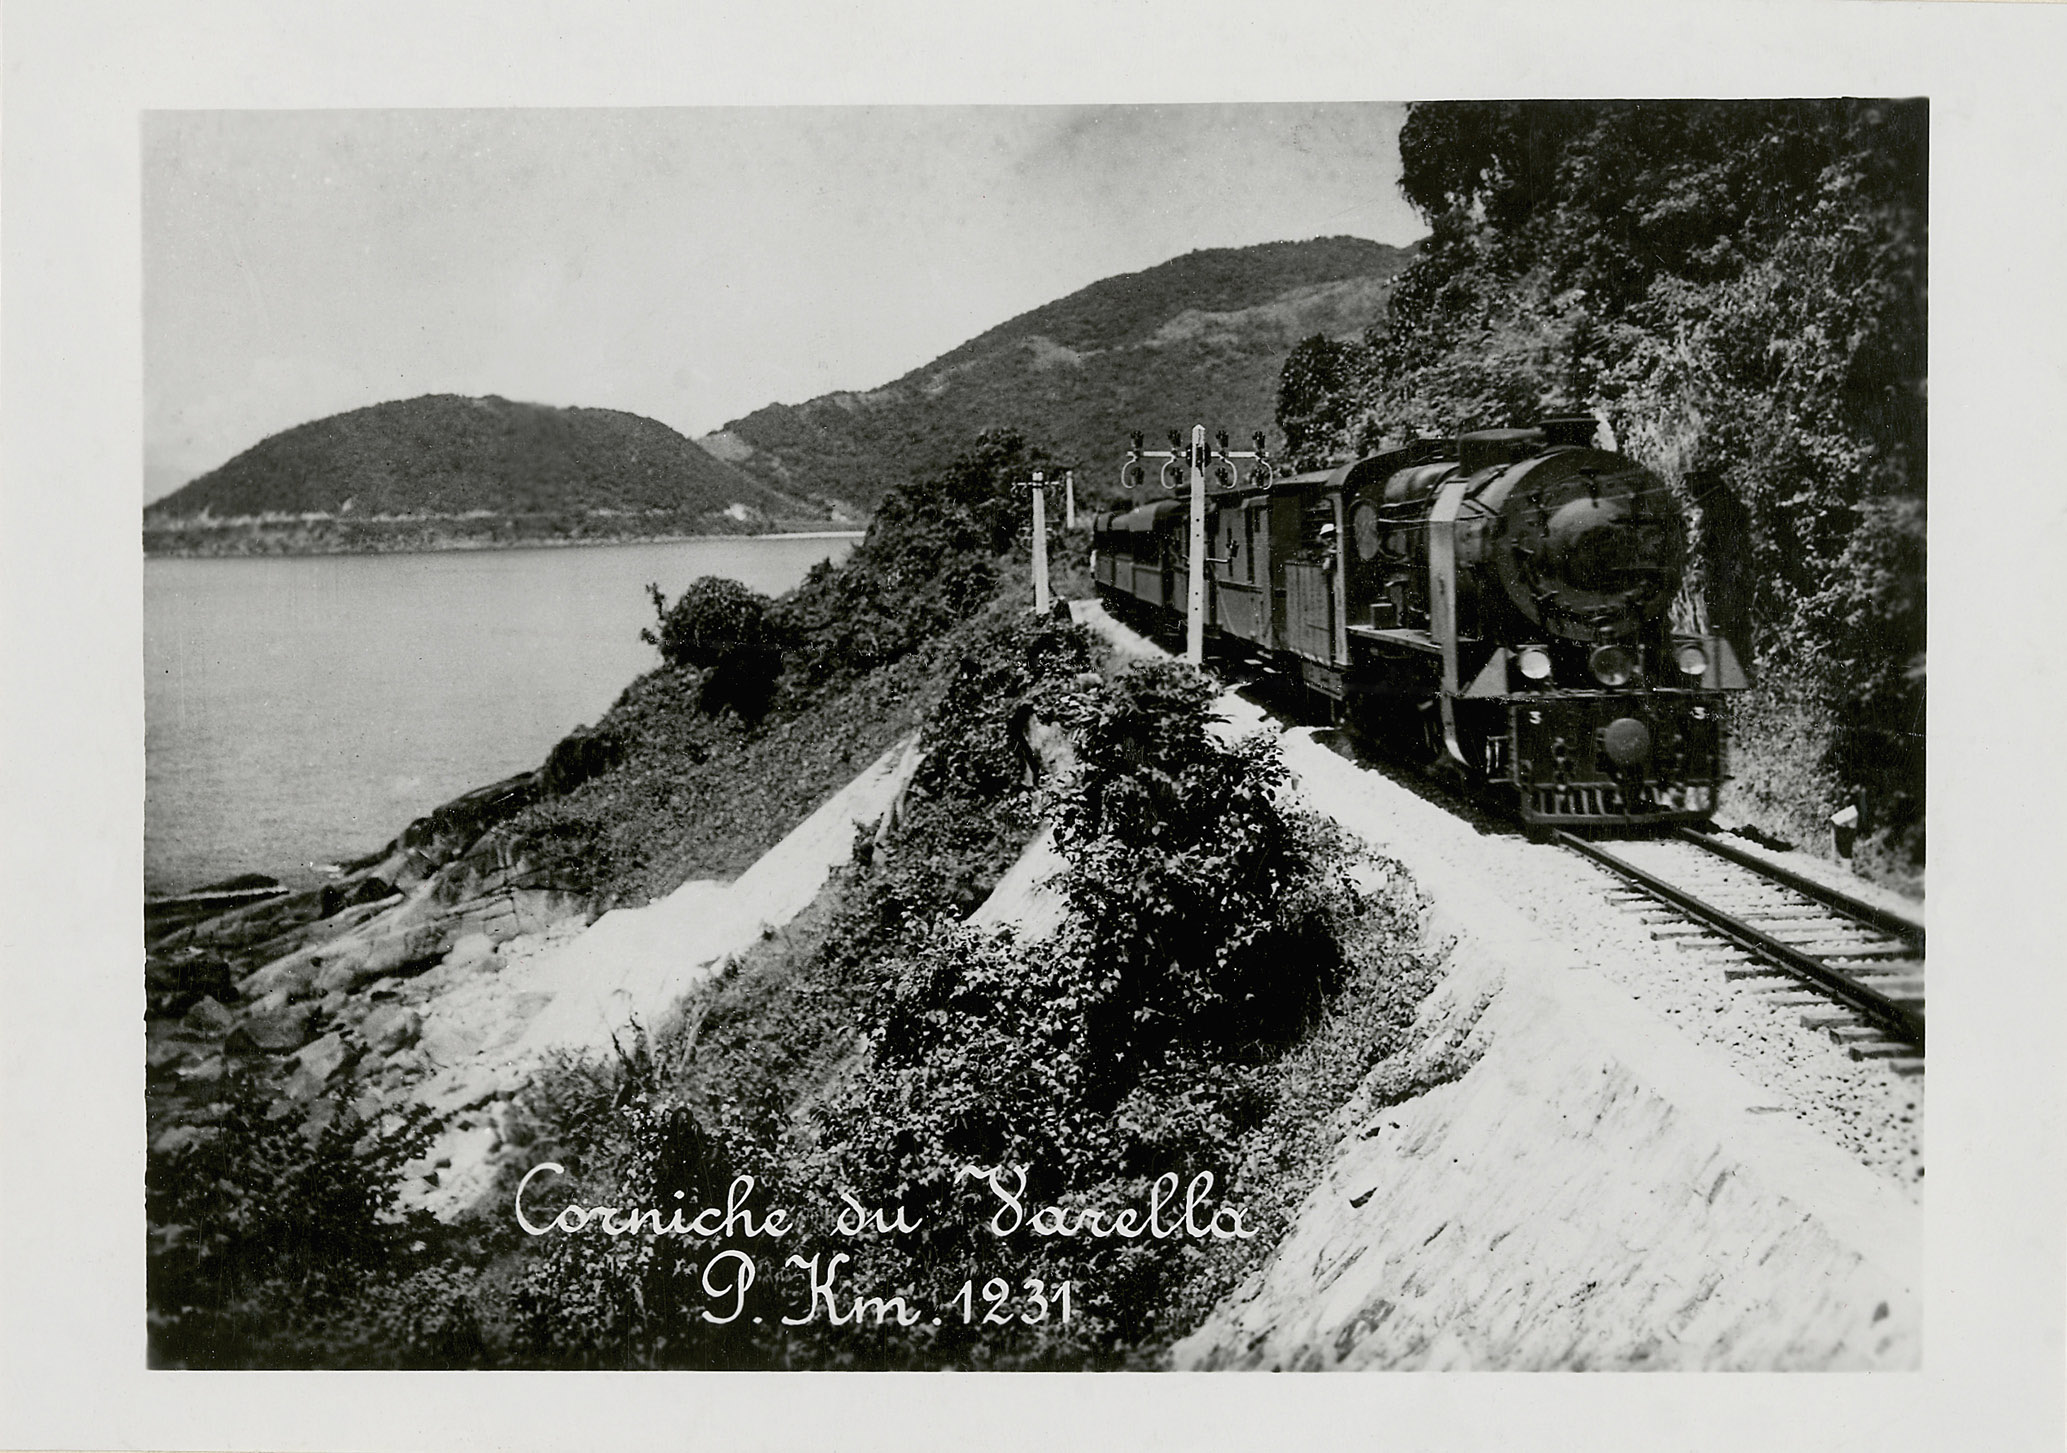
1198 339
762 708
1142 1041
1738 288
484 468
1216 989
263 1213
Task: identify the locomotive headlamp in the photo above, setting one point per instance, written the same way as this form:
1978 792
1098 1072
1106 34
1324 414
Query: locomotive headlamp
1613 665
1534 662
1693 661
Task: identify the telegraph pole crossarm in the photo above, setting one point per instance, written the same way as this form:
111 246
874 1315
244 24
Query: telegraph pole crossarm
1197 460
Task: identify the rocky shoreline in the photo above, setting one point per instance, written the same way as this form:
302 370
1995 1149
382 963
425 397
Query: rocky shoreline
441 971
307 988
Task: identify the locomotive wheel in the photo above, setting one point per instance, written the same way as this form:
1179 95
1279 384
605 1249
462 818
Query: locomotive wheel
1391 725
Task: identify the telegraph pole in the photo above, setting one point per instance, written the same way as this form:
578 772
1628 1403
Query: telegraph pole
1037 485
1199 458
1040 545
1195 595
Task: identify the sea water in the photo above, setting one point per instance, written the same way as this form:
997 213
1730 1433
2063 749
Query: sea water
302 710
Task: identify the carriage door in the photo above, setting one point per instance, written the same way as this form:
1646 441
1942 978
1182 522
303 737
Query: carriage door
1233 571
1311 608
1256 568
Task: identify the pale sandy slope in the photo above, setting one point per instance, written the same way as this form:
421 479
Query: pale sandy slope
492 1014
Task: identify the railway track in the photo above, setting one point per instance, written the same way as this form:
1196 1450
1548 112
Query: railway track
1847 967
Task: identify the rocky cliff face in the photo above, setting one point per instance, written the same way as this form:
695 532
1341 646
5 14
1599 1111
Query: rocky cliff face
308 988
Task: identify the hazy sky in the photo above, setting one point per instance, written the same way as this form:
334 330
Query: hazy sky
691 265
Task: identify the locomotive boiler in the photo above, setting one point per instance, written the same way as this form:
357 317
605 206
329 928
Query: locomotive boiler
1504 596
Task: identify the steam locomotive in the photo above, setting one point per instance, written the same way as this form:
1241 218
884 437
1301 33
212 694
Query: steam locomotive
1503 597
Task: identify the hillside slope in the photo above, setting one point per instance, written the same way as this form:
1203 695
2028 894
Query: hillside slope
1740 287
443 469
1199 339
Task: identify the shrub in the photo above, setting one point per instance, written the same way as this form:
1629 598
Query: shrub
1202 939
263 1221
1204 902
726 629
708 622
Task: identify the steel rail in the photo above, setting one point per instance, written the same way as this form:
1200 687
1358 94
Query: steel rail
1897 1019
1891 924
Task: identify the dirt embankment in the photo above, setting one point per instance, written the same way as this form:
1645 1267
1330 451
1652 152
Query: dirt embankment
1563 1172
1556 1179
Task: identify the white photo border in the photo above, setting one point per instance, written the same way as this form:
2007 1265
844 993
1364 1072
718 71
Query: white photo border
78 76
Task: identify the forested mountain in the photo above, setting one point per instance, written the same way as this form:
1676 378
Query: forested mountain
1739 288
446 469
1199 339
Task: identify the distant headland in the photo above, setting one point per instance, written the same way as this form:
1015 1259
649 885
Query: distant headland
448 472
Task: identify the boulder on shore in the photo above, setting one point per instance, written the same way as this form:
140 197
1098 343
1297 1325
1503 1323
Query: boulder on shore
316 1065
208 1017
390 1027
280 1029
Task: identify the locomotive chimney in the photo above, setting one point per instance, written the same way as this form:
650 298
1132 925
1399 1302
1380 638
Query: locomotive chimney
1575 430
1484 448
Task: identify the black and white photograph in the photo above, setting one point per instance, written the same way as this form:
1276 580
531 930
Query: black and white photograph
965 928
1078 730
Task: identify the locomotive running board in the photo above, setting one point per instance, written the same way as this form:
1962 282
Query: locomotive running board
1408 639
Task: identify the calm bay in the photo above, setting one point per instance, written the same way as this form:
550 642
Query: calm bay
304 709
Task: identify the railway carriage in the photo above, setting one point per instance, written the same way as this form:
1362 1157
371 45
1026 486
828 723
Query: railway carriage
1505 596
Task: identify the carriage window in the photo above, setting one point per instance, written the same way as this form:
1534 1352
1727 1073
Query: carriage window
1317 530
